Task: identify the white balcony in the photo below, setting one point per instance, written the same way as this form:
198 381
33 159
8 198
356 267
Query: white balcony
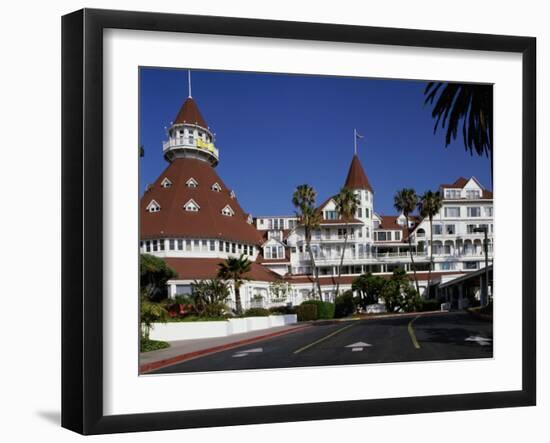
192 143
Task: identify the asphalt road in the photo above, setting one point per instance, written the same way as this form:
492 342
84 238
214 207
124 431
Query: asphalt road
445 336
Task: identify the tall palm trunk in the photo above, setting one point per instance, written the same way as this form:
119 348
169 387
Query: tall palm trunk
411 253
431 254
314 269
238 304
341 263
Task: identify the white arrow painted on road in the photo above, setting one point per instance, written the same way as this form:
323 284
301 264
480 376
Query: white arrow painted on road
482 341
248 351
359 346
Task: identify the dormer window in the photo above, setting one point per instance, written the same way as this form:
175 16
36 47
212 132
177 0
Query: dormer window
249 219
191 206
227 211
166 183
216 187
192 183
153 206
232 195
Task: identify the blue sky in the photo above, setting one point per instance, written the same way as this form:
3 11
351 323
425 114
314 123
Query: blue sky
277 131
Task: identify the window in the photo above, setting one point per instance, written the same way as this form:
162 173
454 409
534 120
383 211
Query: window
204 245
187 245
438 229
488 211
450 229
452 193
446 266
359 212
227 211
232 195
261 221
155 245
470 265
331 215
216 187
367 213
452 212
212 245
397 235
470 229
161 245
153 206
192 183
382 236
191 206
196 245
227 246
184 289
148 246
171 244
180 244
233 248
474 211
166 183
473 194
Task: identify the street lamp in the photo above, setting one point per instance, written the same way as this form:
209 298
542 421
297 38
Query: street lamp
484 291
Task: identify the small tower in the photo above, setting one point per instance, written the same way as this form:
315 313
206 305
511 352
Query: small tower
357 180
189 136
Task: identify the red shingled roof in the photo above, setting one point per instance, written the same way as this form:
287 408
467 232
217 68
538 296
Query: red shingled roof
189 113
174 221
357 179
206 268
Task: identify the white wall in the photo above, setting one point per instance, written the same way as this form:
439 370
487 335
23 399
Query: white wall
30 81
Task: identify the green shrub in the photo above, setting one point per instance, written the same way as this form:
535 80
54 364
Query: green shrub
147 345
306 312
256 312
282 310
344 305
430 304
325 309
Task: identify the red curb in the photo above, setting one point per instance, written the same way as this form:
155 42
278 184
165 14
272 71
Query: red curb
148 367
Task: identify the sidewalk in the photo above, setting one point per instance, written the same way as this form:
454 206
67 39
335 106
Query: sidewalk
182 350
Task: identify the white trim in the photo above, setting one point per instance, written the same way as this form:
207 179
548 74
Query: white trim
228 208
191 204
216 187
153 204
192 183
166 183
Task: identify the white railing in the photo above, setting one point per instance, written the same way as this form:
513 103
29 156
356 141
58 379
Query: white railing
188 142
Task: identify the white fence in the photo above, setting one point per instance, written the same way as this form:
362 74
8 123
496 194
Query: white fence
210 329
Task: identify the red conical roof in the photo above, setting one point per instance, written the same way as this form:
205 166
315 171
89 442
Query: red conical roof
189 113
357 179
208 222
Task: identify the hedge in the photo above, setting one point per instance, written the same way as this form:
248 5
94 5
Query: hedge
256 312
325 309
306 312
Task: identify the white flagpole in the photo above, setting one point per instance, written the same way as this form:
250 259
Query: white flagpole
189 81
355 141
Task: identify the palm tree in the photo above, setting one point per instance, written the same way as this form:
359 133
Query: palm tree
347 203
469 103
405 201
310 218
234 268
429 205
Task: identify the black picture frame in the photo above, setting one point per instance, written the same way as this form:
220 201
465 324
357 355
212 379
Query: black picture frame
82 218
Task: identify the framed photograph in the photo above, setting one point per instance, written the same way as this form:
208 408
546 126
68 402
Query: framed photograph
269 221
